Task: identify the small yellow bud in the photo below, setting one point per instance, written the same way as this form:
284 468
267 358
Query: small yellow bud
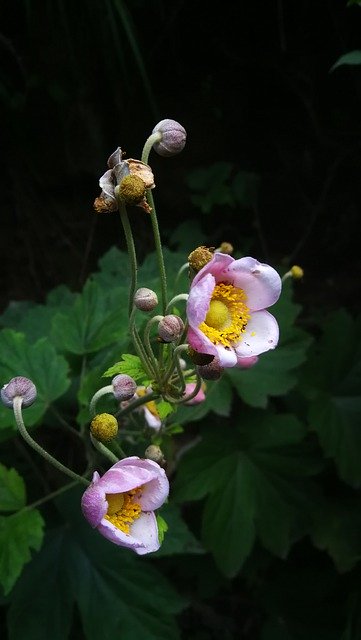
297 272
226 247
200 257
104 427
132 189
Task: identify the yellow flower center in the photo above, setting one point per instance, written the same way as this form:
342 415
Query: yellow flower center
227 316
123 508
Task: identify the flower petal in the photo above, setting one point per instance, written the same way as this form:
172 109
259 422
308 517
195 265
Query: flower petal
261 335
216 267
227 356
261 283
247 363
145 529
199 342
106 183
152 421
117 536
93 504
120 480
199 299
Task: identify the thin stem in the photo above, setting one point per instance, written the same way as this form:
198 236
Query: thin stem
137 403
192 395
147 344
153 138
180 296
184 267
98 394
131 249
50 496
158 248
104 450
64 423
27 437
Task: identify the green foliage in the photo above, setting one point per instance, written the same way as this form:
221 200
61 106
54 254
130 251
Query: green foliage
129 364
351 58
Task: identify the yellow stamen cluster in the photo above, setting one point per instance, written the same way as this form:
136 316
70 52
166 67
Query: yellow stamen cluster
123 508
200 257
227 316
104 427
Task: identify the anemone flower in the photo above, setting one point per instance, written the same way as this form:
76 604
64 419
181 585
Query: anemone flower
226 309
199 397
121 503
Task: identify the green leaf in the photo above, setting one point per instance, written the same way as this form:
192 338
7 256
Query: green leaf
211 186
164 409
331 380
129 364
254 478
19 533
12 490
115 591
41 364
276 371
337 530
162 528
97 319
350 58
179 538
218 400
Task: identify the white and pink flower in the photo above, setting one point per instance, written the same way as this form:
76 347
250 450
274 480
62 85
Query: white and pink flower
226 309
121 503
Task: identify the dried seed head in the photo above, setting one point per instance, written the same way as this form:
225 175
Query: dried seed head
104 427
124 387
199 358
18 387
226 247
173 138
211 371
145 299
132 189
153 452
200 257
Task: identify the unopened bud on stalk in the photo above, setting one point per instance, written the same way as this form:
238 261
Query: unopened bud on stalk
170 328
211 371
124 387
104 427
153 452
297 272
199 358
18 387
145 299
173 138
200 257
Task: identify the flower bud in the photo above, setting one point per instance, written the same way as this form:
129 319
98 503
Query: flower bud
18 387
124 387
297 272
211 371
170 328
199 358
132 189
153 452
145 299
226 247
200 257
173 138
104 427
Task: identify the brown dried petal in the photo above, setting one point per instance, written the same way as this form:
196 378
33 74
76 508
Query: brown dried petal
115 158
104 204
142 170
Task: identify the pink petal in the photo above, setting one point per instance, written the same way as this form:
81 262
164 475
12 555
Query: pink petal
261 335
156 491
200 397
199 342
115 535
199 299
227 356
145 529
247 363
120 480
261 283
94 505
217 266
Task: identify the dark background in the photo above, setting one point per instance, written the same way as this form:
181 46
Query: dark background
250 82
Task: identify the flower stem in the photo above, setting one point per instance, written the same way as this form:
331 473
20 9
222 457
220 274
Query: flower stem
158 248
98 394
180 296
27 437
104 450
137 403
130 247
153 138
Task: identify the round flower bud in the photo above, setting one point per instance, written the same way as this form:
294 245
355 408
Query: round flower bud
145 299
170 328
173 138
226 247
153 452
18 387
297 272
132 189
211 371
199 258
199 358
124 387
104 427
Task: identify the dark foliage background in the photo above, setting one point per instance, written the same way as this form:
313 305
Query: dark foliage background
251 83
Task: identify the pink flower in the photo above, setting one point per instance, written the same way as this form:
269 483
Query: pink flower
121 503
226 309
200 397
